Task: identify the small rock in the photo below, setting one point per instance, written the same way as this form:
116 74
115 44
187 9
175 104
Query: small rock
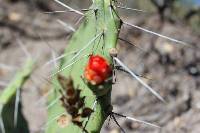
14 17
177 121
114 131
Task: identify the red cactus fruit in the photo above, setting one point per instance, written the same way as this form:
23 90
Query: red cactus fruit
97 70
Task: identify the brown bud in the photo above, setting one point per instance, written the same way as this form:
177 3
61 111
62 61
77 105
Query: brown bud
113 52
64 120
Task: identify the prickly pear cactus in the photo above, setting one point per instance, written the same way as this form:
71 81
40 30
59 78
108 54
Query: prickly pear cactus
97 34
11 117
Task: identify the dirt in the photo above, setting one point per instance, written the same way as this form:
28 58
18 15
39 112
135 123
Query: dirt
171 69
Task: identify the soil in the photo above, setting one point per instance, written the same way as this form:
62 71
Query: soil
170 68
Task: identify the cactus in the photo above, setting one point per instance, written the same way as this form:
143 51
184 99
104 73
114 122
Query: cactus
12 119
96 35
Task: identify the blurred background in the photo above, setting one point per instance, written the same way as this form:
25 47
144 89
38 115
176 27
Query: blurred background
171 69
